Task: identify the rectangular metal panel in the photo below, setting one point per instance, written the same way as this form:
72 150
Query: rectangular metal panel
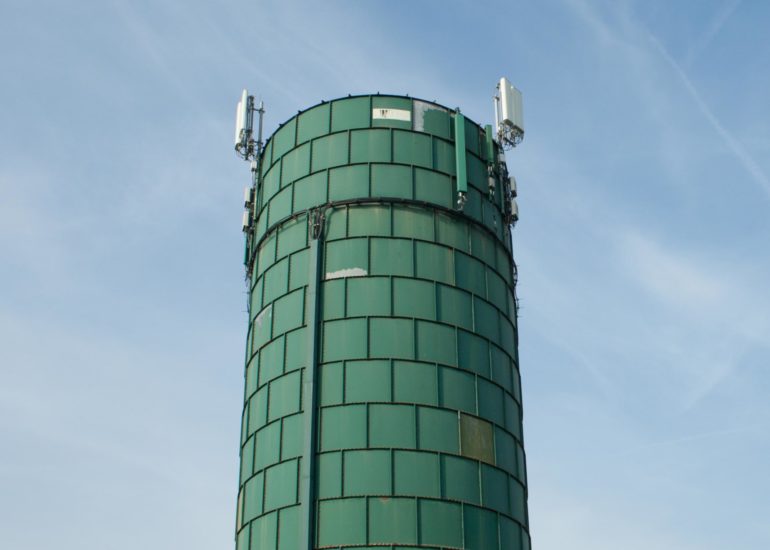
438 428
392 520
441 523
351 113
330 151
416 474
370 145
342 522
313 123
358 469
367 381
416 383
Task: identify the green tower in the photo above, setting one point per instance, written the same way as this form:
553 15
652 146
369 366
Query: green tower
382 402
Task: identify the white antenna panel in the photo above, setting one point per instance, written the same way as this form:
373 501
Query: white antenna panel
241 117
511 106
512 184
238 123
514 211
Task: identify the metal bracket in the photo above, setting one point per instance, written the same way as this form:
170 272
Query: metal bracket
316 218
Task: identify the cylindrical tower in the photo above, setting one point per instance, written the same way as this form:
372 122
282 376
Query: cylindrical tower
383 402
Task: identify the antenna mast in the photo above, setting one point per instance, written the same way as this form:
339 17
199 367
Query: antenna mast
509 126
249 149
245 145
509 118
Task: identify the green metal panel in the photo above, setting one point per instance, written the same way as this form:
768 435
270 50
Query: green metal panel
358 470
417 473
367 381
457 390
455 306
441 523
428 335
474 203
284 396
414 298
444 156
438 430
391 180
310 191
430 186
370 146
313 123
348 182
351 113
271 183
480 528
331 384
268 446
264 532
252 502
292 432
505 451
461 479
295 164
392 520
343 427
382 402
412 148
392 257
344 339
474 353
391 338
392 426
281 485
434 262
477 176
369 220
329 475
330 151
413 223
284 139
289 522
415 383
473 137
342 522
494 489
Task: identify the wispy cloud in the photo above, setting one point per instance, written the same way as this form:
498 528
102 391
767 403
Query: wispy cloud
733 144
646 57
714 303
670 276
718 21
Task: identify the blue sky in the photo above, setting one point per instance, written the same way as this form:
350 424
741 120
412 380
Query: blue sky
643 251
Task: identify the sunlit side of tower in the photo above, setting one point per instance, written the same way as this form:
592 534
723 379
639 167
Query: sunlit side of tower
382 402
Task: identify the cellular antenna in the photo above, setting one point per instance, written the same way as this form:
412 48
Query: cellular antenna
245 145
509 131
509 117
249 149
